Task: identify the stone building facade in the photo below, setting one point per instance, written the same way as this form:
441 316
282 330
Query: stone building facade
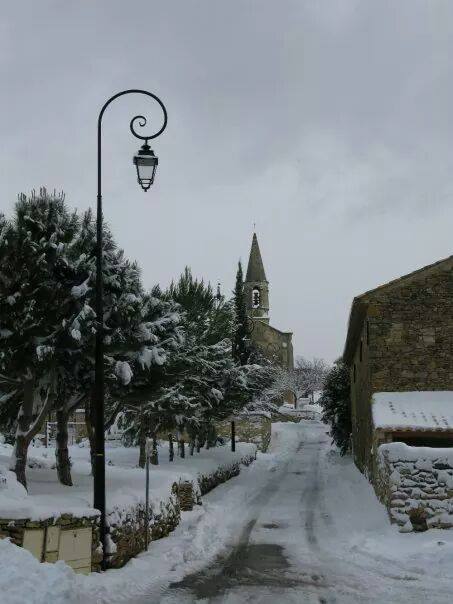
275 344
400 339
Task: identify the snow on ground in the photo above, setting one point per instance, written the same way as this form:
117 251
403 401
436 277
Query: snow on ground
125 482
301 524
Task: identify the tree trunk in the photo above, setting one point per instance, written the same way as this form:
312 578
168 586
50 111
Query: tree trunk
61 450
233 436
211 439
171 448
182 448
90 431
192 447
27 428
142 445
198 444
154 458
20 458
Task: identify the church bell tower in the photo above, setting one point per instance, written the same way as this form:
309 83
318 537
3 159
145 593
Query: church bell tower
256 286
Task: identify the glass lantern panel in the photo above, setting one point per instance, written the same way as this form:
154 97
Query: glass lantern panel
146 172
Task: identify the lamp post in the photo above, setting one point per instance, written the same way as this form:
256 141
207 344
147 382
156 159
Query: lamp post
146 163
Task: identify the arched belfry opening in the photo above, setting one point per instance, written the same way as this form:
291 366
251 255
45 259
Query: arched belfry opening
256 297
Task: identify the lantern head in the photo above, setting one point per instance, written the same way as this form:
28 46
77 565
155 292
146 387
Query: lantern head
146 163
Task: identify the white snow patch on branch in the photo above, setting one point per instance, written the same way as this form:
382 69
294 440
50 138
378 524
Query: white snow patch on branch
123 372
78 291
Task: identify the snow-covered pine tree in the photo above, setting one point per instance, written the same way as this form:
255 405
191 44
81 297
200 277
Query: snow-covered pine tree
189 387
336 404
139 328
36 312
155 339
48 326
209 316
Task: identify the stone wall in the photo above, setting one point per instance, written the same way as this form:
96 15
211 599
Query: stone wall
416 485
411 339
55 539
254 429
273 343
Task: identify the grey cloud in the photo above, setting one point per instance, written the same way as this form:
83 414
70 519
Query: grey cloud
326 123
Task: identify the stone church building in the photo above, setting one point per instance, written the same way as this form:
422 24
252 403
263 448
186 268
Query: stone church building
399 349
275 344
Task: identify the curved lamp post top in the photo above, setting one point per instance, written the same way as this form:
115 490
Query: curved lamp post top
145 160
136 91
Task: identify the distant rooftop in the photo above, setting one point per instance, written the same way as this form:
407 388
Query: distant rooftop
413 411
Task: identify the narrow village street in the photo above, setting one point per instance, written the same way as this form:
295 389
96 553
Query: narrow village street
307 528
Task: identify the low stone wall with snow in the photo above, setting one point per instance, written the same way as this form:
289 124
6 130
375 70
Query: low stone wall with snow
127 527
416 485
43 538
254 429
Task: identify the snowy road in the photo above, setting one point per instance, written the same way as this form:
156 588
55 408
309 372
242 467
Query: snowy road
300 525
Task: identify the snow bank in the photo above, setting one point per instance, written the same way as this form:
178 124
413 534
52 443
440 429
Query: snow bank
24 579
400 451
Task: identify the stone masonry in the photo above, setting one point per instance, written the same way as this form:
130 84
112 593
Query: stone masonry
416 485
400 338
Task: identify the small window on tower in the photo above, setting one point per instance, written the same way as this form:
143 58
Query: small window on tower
255 297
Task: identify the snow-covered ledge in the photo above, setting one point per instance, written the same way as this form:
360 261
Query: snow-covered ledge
416 484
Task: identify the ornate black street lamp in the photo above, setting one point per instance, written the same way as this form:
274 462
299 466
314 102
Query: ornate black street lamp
146 164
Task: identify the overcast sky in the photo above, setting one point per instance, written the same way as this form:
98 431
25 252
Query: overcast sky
328 123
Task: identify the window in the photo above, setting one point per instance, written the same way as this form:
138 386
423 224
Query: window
256 297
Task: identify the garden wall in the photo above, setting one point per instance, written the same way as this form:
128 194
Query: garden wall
416 485
254 429
76 539
72 539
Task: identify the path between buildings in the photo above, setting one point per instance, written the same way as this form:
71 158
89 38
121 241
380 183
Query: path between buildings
302 526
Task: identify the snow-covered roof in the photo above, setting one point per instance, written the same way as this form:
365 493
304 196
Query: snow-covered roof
425 410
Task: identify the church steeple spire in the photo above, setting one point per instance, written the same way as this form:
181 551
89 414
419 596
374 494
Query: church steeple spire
255 268
256 286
